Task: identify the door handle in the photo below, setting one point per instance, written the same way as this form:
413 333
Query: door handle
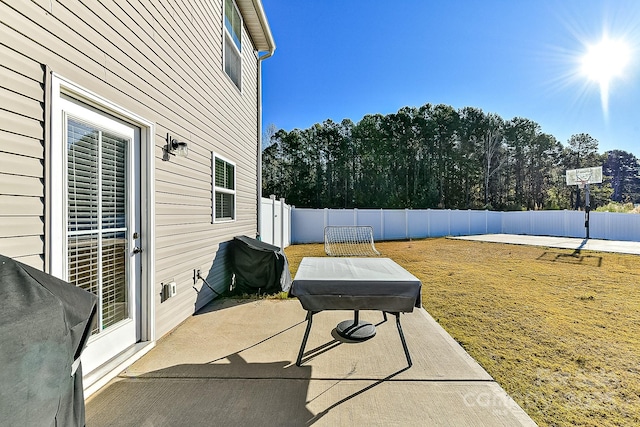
137 250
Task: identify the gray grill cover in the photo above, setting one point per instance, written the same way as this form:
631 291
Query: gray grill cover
355 284
44 325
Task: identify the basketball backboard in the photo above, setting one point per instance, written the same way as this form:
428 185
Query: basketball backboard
584 176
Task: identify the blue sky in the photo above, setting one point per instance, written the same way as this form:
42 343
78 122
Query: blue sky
344 59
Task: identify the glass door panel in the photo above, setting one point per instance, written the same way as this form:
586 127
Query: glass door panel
97 218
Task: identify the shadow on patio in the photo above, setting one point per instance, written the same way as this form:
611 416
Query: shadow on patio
234 364
203 394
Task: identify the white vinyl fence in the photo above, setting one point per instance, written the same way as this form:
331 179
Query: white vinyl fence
307 225
275 222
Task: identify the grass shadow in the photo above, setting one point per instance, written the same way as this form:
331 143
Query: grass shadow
576 257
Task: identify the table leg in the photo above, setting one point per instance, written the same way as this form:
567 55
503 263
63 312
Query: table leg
404 343
306 336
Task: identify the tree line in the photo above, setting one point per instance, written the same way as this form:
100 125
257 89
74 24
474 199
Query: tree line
436 156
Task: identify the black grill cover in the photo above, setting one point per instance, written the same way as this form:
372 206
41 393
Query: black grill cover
44 326
259 266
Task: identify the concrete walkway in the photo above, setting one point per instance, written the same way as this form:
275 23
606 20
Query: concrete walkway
559 242
234 364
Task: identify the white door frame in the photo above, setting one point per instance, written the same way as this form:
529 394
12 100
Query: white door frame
110 342
61 87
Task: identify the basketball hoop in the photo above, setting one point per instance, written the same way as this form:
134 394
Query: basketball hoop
582 178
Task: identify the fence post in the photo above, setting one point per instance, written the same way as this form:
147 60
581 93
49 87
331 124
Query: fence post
326 218
486 222
291 209
282 223
406 223
381 224
273 219
532 223
355 216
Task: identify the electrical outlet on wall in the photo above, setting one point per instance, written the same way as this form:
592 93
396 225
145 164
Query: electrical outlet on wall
164 294
169 290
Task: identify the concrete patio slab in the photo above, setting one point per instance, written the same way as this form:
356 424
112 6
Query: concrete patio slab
234 364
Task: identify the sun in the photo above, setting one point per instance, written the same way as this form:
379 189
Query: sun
604 62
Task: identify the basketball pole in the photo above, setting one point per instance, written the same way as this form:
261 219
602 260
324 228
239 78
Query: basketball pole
587 208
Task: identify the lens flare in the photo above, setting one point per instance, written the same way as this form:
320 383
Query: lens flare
603 62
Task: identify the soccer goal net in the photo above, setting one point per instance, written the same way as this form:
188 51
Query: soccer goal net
354 240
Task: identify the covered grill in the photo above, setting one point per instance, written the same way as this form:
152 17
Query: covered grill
259 267
44 326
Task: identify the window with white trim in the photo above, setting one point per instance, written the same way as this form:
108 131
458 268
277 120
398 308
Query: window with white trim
232 42
224 189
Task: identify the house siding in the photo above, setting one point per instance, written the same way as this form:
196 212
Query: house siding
21 153
164 62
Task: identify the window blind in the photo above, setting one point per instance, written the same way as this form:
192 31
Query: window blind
224 189
232 62
224 205
224 174
233 42
96 208
233 23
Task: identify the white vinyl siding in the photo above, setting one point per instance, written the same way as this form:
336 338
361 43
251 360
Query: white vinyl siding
22 171
163 61
224 189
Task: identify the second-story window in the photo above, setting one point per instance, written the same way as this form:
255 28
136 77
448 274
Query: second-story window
232 42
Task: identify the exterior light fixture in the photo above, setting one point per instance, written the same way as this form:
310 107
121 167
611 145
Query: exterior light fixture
176 148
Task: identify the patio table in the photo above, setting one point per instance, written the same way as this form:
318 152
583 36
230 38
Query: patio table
356 284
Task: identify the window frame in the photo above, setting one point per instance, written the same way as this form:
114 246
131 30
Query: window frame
229 40
215 189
